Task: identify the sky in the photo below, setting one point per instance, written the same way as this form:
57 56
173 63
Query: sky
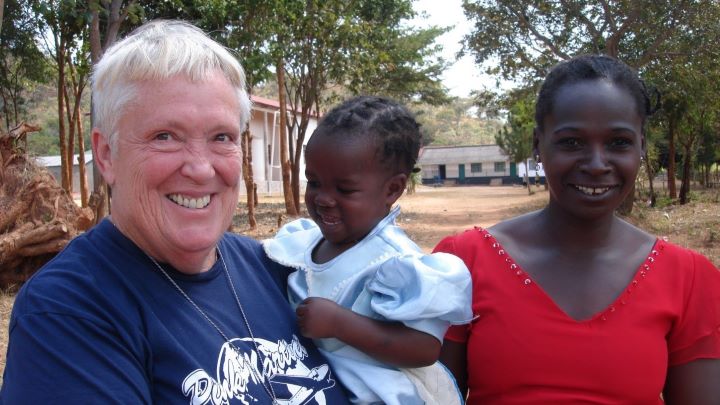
463 76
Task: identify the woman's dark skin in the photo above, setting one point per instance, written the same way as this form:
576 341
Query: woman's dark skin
590 145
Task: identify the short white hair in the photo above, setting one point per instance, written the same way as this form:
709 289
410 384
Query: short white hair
159 50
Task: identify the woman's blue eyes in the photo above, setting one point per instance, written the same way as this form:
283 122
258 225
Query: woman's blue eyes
224 138
166 136
163 136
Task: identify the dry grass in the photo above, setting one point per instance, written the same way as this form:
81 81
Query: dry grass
6 302
432 213
695 225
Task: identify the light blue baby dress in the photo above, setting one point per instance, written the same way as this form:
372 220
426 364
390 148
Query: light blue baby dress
385 276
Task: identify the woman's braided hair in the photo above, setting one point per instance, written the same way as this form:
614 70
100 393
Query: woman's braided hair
594 67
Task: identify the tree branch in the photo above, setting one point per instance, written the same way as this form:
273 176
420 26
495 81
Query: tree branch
607 12
613 42
592 30
545 40
650 51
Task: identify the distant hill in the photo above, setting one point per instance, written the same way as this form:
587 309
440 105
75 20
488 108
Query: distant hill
456 124
41 109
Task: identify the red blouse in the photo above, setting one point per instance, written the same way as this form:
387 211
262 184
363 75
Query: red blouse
523 349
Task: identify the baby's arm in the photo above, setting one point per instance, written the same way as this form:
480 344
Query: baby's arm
389 342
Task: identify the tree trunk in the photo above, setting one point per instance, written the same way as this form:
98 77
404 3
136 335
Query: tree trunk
246 146
99 200
84 192
296 176
526 178
71 135
2 7
672 190
6 112
284 163
60 56
706 175
116 16
650 175
685 184
78 81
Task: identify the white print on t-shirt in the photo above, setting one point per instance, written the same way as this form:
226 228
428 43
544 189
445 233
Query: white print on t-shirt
240 376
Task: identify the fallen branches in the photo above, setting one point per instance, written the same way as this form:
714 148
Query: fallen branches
37 217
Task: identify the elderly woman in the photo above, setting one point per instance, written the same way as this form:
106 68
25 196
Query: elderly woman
158 304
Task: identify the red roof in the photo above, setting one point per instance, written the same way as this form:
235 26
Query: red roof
270 103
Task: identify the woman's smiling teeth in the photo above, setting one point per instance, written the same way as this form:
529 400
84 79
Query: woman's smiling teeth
592 190
193 203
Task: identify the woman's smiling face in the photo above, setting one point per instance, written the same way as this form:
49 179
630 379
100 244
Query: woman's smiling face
176 168
590 147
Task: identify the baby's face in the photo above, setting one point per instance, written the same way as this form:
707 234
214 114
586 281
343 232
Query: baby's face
348 188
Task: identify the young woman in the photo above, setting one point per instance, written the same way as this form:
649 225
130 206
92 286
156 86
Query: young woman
573 304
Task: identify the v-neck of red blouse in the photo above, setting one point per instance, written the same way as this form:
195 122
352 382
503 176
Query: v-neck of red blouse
526 279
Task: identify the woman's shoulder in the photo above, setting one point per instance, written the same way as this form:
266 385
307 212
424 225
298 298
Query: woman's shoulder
683 259
468 241
462 241
516 228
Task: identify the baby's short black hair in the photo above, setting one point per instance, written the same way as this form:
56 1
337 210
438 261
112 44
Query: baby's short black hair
385 122
592 67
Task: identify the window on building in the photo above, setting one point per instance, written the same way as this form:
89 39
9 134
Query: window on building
475 167
499 166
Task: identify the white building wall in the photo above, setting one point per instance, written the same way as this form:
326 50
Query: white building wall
267 173
258 132
532 169
452 170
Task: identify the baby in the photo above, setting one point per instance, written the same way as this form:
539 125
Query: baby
376 305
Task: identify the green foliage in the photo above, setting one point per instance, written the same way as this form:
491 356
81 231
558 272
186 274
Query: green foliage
405 68
515 138
22 64
244 26
456 123
42 111
663 202
526 38
674 46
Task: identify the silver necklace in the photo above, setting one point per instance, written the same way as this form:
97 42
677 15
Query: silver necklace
265 384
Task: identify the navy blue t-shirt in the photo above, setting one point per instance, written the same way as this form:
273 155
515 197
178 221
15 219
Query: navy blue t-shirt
100 324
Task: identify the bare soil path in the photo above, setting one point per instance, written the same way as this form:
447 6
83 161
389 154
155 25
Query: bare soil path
431 213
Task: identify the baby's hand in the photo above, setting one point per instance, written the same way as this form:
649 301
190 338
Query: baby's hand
317 317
